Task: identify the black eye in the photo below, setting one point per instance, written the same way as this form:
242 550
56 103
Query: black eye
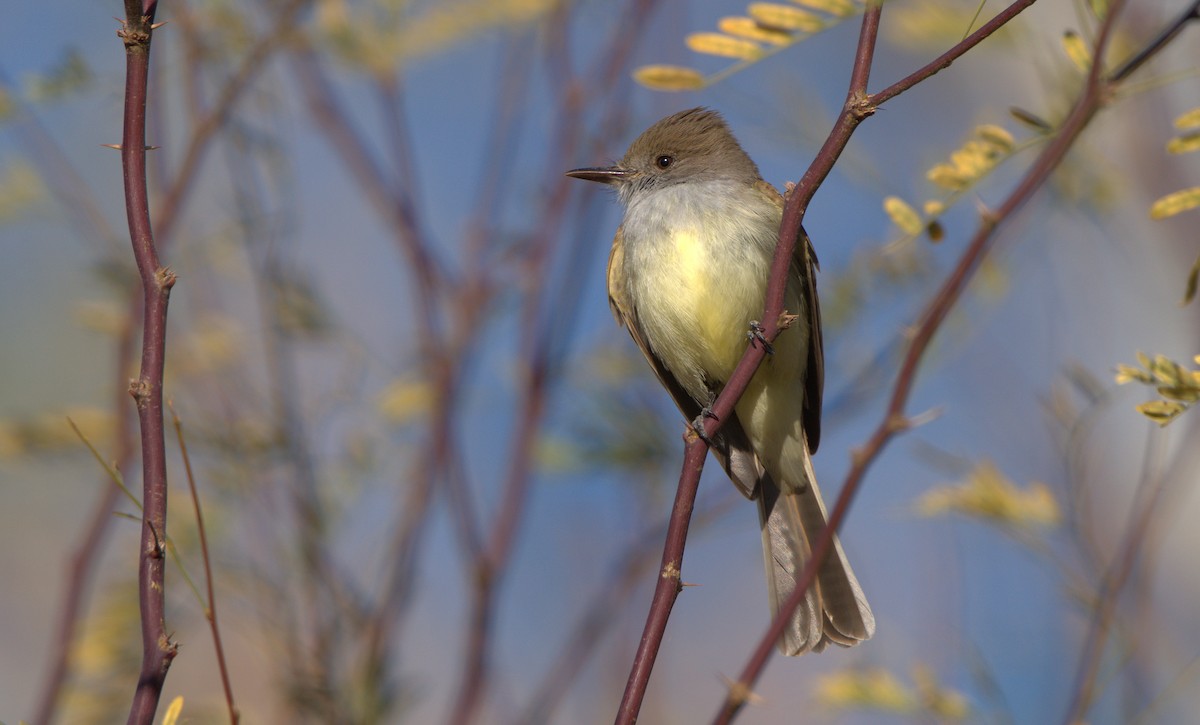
664 161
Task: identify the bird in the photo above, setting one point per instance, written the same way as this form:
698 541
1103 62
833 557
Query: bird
687 277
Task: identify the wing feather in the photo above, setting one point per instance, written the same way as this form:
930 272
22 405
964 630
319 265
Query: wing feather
804 279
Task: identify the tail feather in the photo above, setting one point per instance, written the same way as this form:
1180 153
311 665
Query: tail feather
835 610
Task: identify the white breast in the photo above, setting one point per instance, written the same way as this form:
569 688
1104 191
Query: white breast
696 262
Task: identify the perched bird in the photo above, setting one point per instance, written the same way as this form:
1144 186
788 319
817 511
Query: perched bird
687 276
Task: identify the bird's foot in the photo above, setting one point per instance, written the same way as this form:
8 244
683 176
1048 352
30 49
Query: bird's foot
698 424
756 337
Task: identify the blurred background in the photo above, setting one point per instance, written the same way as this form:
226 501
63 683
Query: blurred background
434 472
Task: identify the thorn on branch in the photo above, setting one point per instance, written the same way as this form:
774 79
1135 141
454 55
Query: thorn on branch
159 550
169 648
899 423
786 320
921 419
987 217
134 36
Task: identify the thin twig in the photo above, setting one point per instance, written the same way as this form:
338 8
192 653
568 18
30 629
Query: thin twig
210 611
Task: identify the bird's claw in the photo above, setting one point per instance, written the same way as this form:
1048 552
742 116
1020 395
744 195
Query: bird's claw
756 337
698 424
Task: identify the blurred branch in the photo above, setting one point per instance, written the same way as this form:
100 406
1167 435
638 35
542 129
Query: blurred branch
394 204
1089 102
536 347
1105 603
157 649
206 128
86 554
1152 493
65 182
605 607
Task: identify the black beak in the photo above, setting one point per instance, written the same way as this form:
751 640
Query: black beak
605 175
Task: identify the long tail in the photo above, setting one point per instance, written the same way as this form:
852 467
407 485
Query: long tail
835 609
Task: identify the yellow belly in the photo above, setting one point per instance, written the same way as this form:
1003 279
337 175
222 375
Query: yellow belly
697 305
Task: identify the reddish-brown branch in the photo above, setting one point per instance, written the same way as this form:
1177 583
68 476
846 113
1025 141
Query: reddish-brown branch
894 421
668 587
74 195
147 388
858 106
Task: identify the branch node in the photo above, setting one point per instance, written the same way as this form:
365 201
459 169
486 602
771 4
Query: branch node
139 388
740 693
899 423
860 105
165 279
670 571
169 648
857 457
987 217
786 320
134 37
